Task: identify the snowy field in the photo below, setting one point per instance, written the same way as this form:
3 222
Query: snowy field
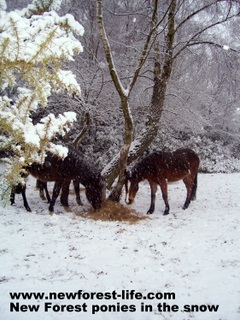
182 266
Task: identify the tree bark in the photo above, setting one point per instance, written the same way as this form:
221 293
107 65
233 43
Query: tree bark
124 97
162 72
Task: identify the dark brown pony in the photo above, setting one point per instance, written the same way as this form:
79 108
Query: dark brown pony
72 167
159 168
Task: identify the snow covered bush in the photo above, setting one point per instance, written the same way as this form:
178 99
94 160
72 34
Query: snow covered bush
215 155
34 44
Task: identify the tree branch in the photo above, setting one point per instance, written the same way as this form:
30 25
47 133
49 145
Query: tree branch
191 41
118 85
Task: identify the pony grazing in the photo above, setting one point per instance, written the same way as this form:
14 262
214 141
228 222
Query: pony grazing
159 168
72 167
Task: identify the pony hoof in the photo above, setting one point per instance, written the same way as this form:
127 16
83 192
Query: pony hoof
67 209
149 212
51 210
166 213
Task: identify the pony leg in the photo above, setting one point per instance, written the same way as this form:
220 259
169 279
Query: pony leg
194 189
191 190
12 196
56 190
42 185
163 185
25 199
77 192
39 185
153 187
20 189
41 194
65 193
46 191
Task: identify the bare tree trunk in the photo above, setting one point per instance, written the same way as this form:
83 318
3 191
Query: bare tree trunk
128 134
146 137
118 164
124 97
162 73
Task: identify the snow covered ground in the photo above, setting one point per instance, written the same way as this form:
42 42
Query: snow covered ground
193 254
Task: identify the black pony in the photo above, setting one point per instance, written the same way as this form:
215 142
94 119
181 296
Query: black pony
72 167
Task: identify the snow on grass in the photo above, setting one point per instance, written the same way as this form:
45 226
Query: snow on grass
194 253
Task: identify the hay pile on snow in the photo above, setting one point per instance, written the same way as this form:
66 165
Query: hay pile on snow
113 211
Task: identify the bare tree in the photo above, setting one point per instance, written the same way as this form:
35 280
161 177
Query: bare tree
167 38
124 94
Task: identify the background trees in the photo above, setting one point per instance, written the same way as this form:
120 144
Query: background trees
173 28
186 92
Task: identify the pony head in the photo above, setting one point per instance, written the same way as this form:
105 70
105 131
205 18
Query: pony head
96 192
133 189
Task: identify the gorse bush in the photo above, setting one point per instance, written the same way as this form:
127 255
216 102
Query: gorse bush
34 45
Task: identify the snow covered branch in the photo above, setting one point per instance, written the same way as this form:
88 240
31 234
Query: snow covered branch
34 44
